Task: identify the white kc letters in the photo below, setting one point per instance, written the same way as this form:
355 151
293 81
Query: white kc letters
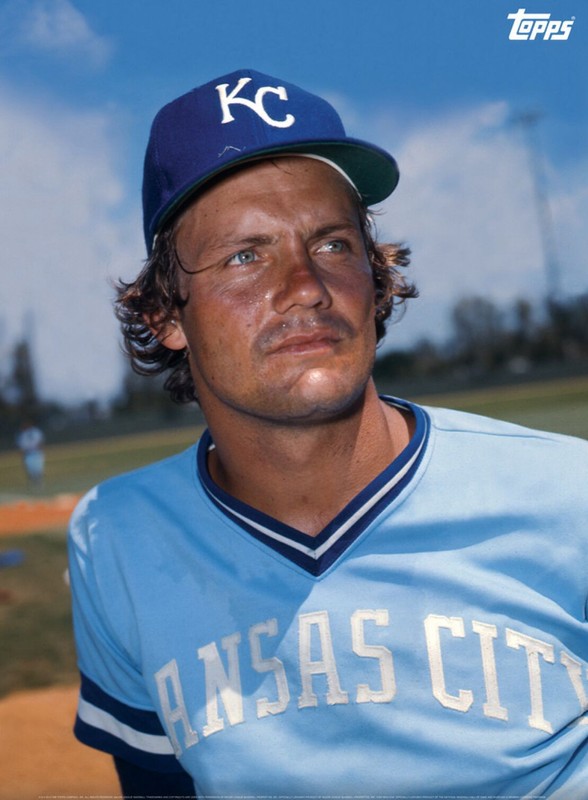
256 105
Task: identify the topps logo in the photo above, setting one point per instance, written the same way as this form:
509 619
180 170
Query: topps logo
532 26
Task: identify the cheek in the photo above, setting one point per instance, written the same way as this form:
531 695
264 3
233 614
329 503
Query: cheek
222 326
357 292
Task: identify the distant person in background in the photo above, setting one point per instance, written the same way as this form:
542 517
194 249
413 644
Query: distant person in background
30 442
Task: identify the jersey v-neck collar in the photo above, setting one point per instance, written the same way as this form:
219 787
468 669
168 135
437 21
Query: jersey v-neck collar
315 554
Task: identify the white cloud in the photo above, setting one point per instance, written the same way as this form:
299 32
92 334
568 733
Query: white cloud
465 204
65 231
58 27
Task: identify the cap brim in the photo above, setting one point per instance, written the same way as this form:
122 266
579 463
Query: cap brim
373 171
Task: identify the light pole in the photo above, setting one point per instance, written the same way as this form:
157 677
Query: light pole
528 120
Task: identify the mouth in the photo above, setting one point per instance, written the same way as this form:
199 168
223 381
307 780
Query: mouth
301 344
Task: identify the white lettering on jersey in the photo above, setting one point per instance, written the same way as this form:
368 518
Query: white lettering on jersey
384 656
174 714
534 648
260 664
326 665
487 634
219 683
574 669
226 100
433 623
317 657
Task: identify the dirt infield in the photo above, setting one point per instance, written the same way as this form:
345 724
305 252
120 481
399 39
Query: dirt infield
39 757
28 516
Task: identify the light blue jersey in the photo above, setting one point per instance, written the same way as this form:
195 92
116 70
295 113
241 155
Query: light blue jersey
431 641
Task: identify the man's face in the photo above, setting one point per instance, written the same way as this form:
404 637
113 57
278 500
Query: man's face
280 317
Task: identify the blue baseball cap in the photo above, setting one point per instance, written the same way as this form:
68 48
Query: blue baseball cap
241 117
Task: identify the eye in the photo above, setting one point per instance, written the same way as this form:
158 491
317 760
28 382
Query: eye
242 257
334 246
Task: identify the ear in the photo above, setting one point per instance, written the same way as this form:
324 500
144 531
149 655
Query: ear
168 332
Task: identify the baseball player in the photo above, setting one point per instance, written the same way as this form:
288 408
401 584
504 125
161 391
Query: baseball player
30 441
331 593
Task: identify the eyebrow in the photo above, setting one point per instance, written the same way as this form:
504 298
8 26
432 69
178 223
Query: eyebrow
246 241
336 227
256 240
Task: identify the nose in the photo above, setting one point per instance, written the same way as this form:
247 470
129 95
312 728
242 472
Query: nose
300 282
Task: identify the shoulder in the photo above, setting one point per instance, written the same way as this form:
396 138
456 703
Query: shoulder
129 497
462 427
516 457
460 422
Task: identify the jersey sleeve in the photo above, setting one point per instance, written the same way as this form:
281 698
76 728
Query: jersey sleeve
115 713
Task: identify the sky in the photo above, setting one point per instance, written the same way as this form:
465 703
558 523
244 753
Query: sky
438 83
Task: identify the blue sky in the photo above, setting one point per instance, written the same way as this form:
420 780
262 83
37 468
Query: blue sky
437 82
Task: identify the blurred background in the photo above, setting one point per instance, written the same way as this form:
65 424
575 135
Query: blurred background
491 137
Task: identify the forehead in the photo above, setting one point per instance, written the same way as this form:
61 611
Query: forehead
286 186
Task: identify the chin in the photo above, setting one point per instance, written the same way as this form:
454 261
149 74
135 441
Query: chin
317 399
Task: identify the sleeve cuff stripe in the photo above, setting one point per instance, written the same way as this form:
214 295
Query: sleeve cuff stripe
101 740
147 742
138 719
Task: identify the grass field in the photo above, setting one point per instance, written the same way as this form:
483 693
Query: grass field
35 625
77 467
560 406
35 619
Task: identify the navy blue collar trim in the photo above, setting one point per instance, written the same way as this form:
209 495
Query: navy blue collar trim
315 554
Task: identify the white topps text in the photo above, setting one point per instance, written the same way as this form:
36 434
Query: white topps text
528 27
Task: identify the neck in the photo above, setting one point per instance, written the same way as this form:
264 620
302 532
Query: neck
303 475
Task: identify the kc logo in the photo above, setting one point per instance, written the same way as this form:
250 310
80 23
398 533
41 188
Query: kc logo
256 105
